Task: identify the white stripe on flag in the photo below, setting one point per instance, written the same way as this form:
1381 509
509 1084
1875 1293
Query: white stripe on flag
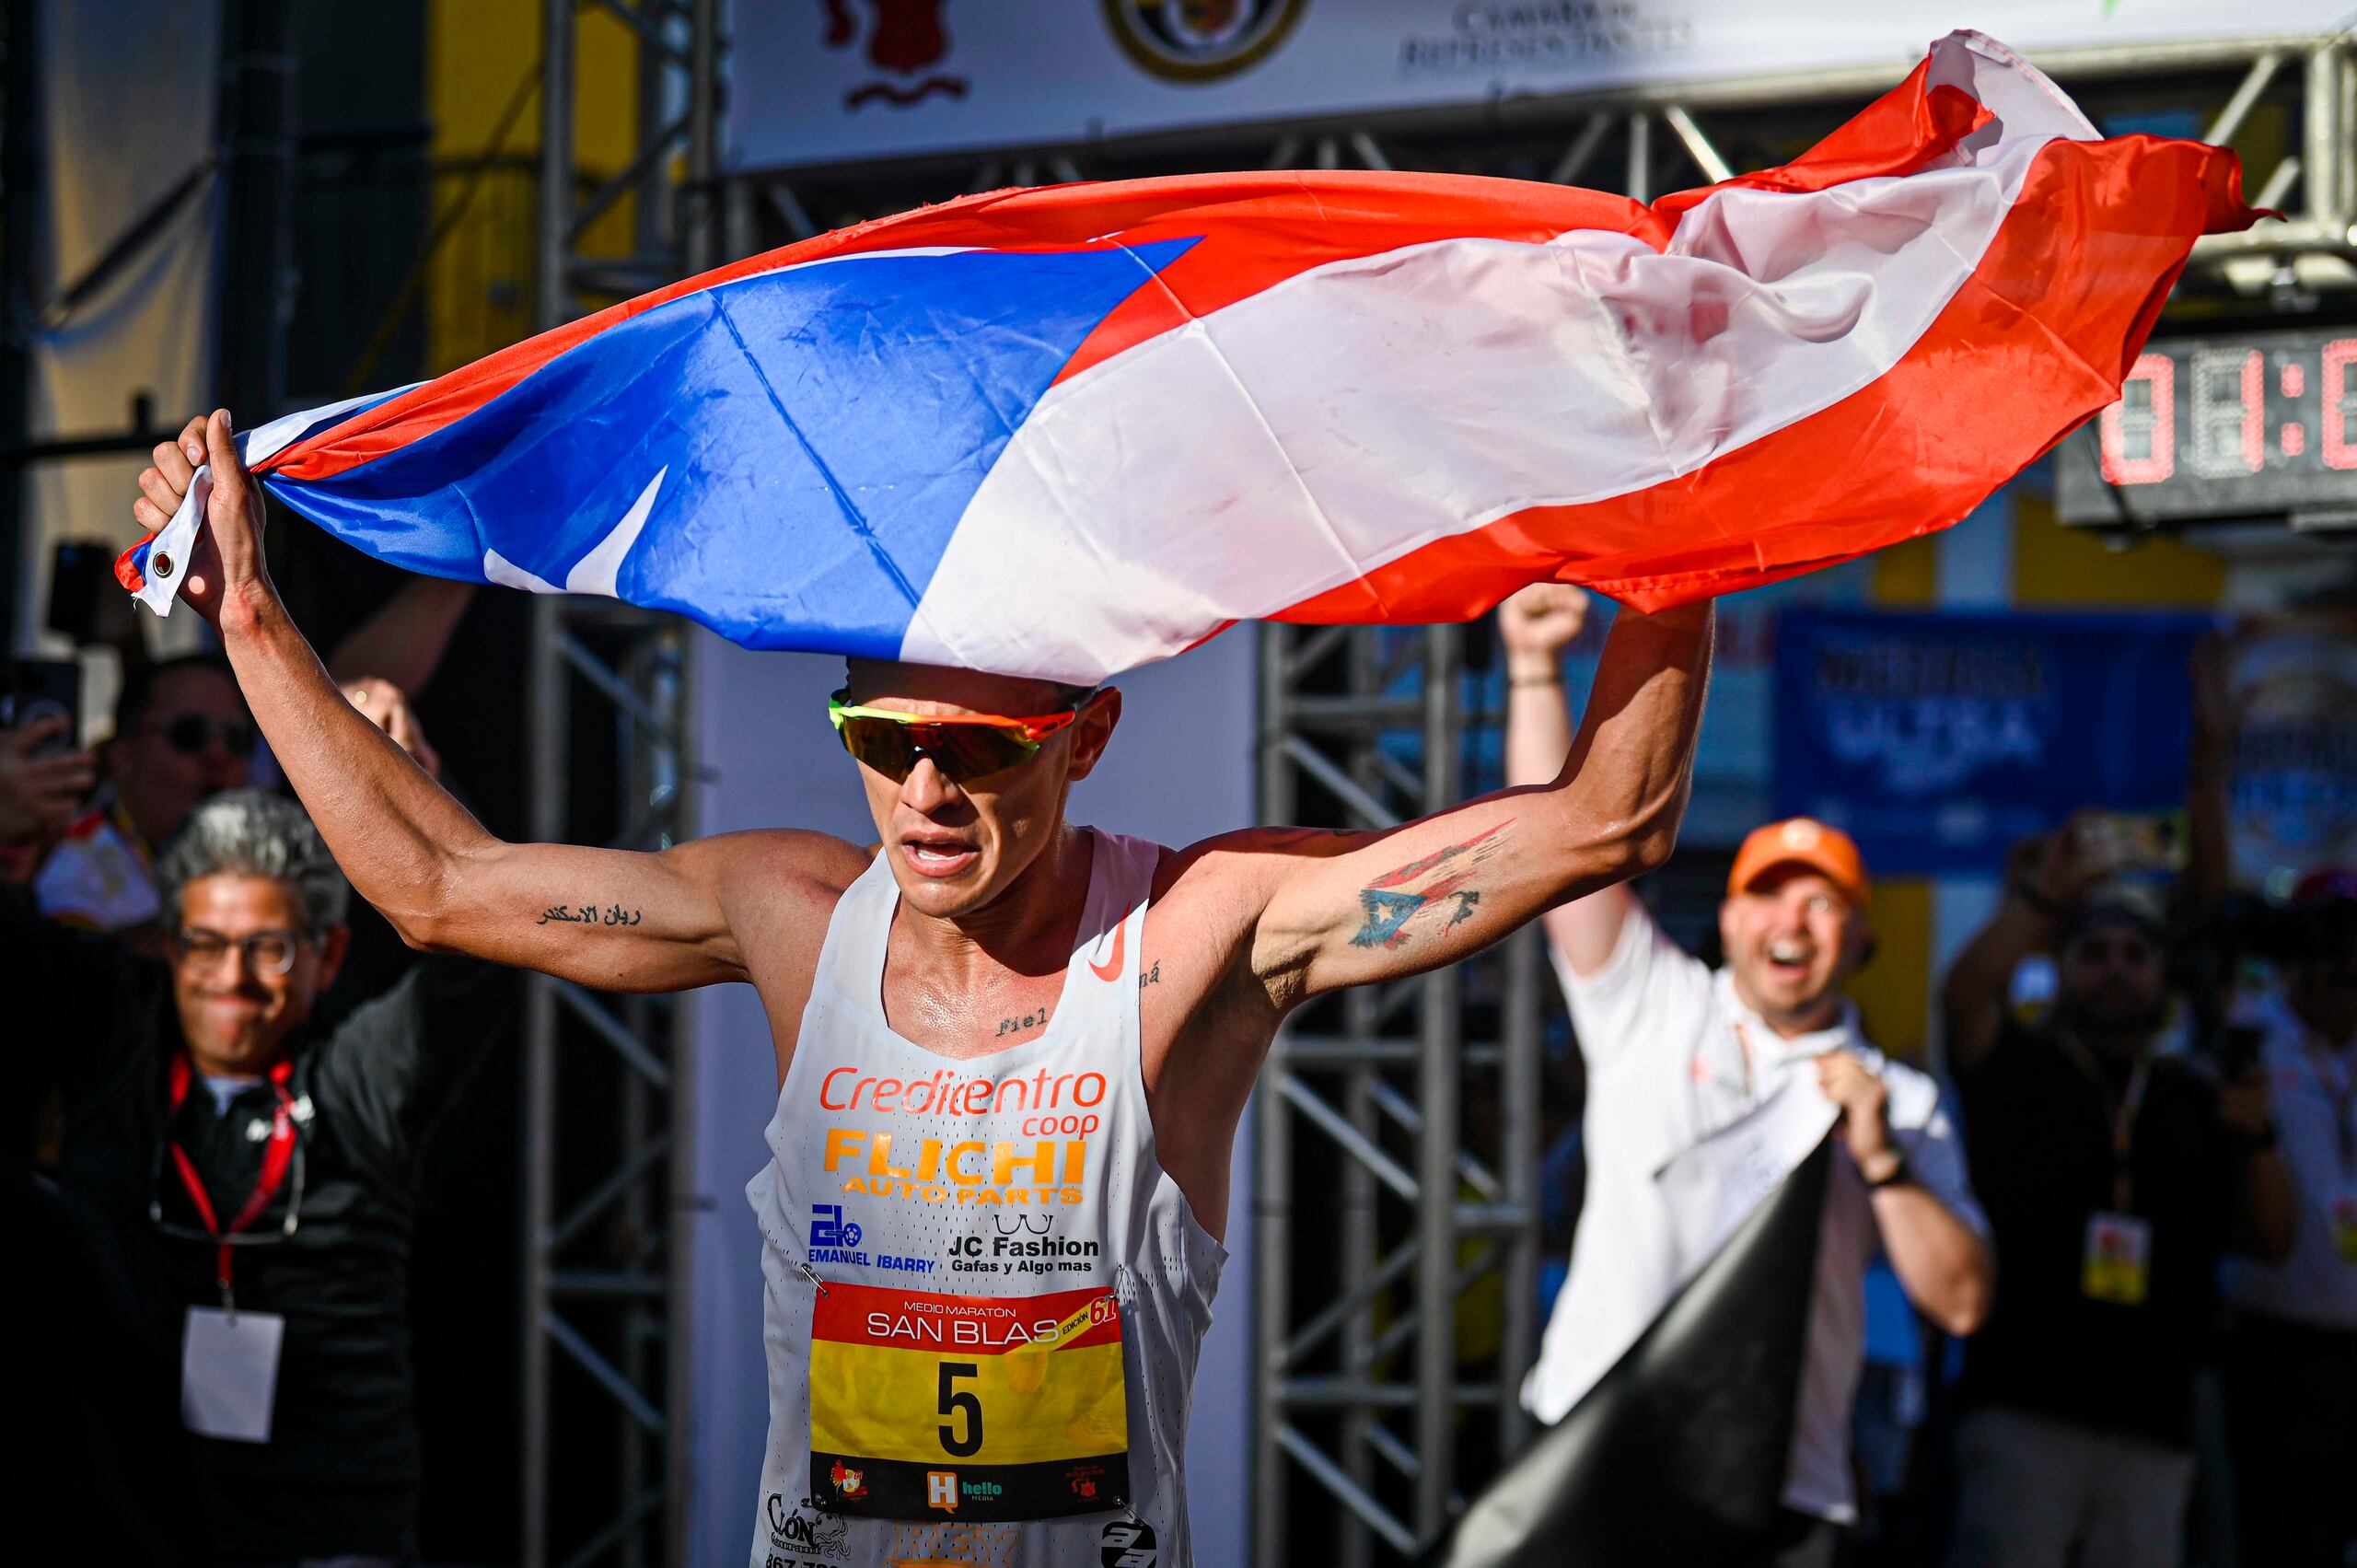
1362 409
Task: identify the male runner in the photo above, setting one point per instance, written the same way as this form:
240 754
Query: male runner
1012 1053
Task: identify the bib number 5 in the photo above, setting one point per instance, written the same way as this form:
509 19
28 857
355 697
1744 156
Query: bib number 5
957 1402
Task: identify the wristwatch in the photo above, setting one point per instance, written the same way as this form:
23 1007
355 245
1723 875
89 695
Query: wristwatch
1894 1170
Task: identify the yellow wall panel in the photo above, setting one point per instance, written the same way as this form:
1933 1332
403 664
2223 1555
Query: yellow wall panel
1908 572
2057 565
1894 993
479 55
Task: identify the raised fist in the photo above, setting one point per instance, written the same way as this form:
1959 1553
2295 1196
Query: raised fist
227 562
1538 623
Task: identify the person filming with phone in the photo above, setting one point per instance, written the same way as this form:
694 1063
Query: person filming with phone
2115 1175
182 735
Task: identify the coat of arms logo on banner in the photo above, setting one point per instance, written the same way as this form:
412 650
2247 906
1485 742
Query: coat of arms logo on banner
1201 40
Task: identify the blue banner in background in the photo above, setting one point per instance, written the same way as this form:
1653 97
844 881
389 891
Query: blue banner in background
1937 739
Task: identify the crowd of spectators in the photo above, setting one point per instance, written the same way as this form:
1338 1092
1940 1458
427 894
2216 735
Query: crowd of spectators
2149 1116
2128 1212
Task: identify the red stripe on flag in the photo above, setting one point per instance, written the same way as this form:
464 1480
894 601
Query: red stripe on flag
1272 224
1895 135
2038 338
1277 226
1310 220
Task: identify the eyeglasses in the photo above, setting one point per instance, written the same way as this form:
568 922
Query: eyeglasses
191 734
266 952
966 748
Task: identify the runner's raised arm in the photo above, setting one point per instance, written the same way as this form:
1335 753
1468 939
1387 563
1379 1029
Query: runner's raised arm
1346 908
609 918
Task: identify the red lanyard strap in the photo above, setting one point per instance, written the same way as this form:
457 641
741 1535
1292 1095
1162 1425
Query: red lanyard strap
274 1161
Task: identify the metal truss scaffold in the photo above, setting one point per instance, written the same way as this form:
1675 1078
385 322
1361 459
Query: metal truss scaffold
609 1100
1398 1127
1397 1160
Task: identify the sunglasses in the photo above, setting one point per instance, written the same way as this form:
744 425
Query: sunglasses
966 748
191 734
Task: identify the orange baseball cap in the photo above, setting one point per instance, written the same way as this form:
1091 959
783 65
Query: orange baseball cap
1801 840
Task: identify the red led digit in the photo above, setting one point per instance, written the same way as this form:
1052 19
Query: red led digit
2338 412
2254 411
2146 418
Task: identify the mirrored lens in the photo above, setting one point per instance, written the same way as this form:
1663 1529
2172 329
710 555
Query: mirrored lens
879 744
964 752
967 752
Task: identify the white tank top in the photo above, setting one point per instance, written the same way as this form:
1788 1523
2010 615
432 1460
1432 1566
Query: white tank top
918 1213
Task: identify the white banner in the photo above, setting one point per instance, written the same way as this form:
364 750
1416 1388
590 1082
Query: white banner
827 81
111 155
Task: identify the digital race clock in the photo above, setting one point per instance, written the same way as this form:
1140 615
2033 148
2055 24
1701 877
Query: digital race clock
2260 423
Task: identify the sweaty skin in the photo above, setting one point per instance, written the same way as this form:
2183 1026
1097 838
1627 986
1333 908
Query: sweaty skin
1243 928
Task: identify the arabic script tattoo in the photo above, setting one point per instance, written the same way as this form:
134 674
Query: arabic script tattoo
588 914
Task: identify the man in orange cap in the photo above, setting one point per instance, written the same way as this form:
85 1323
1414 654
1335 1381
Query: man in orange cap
1676 1054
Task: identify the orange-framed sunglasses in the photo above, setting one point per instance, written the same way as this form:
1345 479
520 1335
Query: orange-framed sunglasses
965 746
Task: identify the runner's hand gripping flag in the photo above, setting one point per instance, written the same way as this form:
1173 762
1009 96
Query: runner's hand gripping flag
1068 431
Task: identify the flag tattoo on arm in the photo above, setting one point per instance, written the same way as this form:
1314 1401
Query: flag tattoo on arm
1441 879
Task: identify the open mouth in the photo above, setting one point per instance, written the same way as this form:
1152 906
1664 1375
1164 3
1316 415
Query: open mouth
938 857
1791 959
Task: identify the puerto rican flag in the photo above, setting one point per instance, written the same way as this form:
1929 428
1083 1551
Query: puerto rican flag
1064 432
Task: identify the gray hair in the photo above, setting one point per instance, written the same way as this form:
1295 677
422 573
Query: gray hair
243 833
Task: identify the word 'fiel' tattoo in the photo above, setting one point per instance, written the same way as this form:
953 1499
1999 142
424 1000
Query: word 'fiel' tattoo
587 915
1442 877
1028 1021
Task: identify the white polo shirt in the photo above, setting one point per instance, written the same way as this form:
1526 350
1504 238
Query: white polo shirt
1663 1042
2314 1094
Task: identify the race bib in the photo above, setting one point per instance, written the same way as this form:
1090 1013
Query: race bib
969 1407
2344 1225
2118 1263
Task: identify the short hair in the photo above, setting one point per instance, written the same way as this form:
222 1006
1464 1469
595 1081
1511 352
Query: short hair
243 833
1068 694
140 682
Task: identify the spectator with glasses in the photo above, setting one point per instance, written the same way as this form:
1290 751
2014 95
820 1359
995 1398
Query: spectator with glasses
182 734
258 1174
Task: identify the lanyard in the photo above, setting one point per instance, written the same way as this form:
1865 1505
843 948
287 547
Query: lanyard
2123 1116
274 1161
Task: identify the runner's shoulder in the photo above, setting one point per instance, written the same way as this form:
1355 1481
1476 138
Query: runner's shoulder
1251 853
777 870
1237 870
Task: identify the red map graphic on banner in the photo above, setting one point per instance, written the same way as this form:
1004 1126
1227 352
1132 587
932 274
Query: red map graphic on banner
904 37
